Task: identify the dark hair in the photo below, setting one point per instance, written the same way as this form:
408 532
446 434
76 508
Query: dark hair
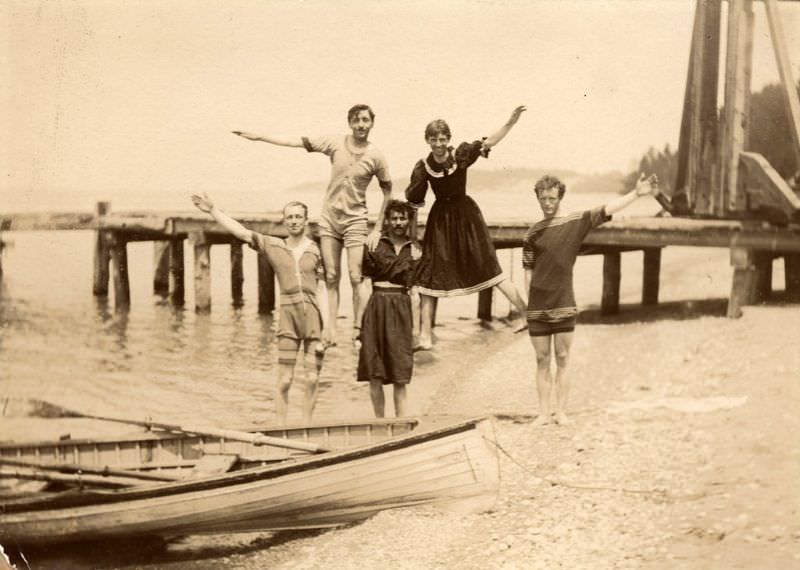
436 127
295 203
394 205
356 109
547 182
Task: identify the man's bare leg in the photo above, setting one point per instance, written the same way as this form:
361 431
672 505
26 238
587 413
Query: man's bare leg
331 250
376 395
544 380
312 362
400 400
425 322
355 256
282 385
562 343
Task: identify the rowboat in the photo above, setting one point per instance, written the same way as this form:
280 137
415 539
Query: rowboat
371 466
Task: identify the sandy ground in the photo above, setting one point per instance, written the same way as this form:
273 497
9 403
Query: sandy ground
684 453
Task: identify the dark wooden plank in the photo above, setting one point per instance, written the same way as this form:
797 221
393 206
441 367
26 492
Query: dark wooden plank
119 271
791 267
237 273
609 303
176 272
651 275
762 289
161 267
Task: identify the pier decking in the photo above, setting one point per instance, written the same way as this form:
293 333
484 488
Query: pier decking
753 245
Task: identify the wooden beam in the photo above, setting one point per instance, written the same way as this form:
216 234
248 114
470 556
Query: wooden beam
485 304
737 91
266 285
202 272
119 271
161 267
650 275
48 221
743 281
609 303
237 273
176 272
785 71
697 150
772 190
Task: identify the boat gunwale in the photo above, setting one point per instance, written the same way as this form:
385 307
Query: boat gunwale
151 435
78 498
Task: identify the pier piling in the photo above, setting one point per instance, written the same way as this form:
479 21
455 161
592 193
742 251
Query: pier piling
118 248
743 281
612 260
651 275
176 272
202 271
101 253
237 273
791 266
266 285
161 267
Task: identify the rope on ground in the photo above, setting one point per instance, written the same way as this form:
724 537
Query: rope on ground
658 495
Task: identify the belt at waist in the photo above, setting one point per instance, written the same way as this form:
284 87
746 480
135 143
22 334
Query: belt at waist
384 289
300 297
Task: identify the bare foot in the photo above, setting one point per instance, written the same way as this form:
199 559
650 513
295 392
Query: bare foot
541 420
423 344
562 419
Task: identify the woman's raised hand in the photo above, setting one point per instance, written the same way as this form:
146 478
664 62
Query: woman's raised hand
203 203
515 114
647 185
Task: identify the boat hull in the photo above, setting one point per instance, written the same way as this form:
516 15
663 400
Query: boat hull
455 465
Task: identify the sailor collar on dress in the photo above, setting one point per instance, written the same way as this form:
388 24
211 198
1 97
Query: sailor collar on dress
441 169
389 241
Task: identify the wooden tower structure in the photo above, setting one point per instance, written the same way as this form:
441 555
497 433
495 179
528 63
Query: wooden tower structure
717 176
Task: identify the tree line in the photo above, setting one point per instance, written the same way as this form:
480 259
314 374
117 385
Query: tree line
769 135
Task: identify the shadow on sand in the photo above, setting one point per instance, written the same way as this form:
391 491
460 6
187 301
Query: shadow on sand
144 551
673 310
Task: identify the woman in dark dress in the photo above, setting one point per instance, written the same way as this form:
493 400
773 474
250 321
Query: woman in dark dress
458 257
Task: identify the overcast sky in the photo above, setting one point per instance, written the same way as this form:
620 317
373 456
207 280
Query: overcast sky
135 100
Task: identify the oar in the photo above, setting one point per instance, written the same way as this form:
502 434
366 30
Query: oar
77 468
230 434
89 480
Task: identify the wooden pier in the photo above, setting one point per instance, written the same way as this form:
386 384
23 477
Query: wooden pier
753 245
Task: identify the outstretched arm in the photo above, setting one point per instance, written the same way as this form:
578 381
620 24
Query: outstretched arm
646 186
503 131
204 204
280 141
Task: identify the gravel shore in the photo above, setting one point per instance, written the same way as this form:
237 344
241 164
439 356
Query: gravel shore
683 454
